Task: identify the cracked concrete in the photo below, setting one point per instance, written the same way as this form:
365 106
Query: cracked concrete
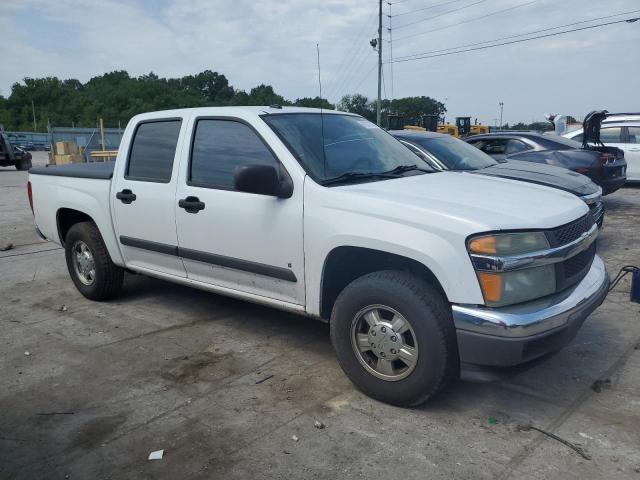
222 385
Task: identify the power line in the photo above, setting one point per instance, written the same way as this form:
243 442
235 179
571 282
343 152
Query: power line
424 56
467 20
518 35
425 8
348 79
354 50
366 75
440 15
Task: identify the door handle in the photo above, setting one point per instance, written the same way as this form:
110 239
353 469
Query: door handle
191 204
126 196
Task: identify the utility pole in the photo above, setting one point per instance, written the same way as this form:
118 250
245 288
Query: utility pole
33 110
379 101
501 108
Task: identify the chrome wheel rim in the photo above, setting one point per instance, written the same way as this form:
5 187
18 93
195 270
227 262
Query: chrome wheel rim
384 342
83 263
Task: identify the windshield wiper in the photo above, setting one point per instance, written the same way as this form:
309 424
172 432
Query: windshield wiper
393 173
344 177
407 168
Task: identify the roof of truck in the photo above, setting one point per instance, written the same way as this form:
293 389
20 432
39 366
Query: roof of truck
251 110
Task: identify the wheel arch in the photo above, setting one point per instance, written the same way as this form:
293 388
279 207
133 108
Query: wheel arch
67 218
344 264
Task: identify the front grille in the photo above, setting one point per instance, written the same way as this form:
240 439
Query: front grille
576 264
571 231
597 212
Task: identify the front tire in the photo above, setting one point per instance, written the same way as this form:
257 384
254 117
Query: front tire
89 264
394 337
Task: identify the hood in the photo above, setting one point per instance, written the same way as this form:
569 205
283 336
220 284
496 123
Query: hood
462 201
542 174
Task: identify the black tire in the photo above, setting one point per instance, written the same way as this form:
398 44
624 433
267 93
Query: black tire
108 276
429 314
23 165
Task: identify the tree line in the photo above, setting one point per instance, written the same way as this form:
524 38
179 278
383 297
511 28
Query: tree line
117 96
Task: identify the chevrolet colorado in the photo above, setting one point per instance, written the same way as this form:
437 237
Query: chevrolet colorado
325 214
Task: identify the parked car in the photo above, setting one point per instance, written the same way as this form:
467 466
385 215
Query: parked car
444 152
605 168
13 156
621 131
324 214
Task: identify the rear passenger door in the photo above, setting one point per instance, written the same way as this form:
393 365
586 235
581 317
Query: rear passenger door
143 202
235 240
632 152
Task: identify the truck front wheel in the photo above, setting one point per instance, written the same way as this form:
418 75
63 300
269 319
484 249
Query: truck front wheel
394 337
89 263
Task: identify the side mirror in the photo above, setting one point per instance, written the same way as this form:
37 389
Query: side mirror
263 180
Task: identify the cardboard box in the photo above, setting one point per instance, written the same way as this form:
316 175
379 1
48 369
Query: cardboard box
67 148
67 159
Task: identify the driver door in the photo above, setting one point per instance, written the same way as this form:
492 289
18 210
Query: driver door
239 241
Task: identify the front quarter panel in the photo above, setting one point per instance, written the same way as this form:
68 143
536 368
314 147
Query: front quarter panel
332 220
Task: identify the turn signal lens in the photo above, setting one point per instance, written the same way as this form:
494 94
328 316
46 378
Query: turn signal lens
491 284
508 243
485 245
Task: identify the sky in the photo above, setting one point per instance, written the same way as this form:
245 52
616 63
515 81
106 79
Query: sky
274 42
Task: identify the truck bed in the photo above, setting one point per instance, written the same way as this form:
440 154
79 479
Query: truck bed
98 170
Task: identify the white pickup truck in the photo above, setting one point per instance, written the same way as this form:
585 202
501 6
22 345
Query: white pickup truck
324 214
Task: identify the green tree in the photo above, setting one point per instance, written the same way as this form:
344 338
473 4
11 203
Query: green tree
412 108
116 97
358 104
315 102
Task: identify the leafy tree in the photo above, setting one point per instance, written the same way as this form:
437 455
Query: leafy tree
412 108
315 102
535 126
358 104
260 95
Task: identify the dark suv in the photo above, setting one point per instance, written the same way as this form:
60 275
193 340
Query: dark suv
605 167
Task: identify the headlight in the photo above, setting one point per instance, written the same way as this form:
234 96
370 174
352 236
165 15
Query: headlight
509 243
499 288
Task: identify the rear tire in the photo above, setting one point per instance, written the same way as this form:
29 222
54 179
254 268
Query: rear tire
23 165
387 299
89 264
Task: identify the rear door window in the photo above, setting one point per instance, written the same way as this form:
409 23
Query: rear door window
516 146
611 135
153 150
634 134
496 146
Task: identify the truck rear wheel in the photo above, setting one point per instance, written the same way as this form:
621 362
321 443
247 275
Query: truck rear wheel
89 263
394 337
23 165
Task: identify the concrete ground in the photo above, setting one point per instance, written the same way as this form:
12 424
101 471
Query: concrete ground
88 390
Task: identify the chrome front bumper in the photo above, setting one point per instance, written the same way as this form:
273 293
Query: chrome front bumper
481 330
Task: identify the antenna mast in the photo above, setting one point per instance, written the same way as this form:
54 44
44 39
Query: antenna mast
379 100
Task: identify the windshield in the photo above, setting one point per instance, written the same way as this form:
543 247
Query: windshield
352 145
454 153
